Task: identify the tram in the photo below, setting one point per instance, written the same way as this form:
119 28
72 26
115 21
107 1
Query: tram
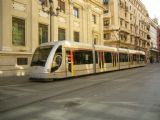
64 59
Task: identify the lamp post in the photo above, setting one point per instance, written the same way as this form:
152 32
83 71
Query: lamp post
94 56
119 42
50 12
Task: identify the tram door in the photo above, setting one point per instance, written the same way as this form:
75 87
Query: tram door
131 59
137 58
69 63
114 58
101 60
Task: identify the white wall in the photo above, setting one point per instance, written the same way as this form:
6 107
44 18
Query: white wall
0 24
153 34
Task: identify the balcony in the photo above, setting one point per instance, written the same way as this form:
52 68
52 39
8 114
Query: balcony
125 30
107 28
107 14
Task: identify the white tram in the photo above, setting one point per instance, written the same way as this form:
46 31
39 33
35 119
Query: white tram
67 59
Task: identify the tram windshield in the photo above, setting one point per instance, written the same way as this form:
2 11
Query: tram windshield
40 56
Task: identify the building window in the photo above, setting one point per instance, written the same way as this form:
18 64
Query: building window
123 36
95 41
43 33
94 19
61 34
61 4
43 2
106 22
76 36
105 2
131 39
130 16
121 22
144 44
18 31
126 24
125 14
106 11
76 12
126 8
22 61
121 4
107 36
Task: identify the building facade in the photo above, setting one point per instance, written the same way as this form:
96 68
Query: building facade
158 37
153 41
126 24
24 25
158 41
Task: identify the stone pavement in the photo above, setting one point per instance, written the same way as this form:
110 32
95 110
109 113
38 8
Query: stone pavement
13 79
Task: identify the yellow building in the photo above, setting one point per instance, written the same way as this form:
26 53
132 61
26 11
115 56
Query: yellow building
24 25
126 24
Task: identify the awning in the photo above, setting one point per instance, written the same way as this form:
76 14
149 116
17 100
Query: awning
155 50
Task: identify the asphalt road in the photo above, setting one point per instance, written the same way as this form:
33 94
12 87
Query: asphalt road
132 94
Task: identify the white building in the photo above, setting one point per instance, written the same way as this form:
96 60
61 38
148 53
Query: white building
153 40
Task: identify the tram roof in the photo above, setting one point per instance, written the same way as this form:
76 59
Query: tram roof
142 52
133 51
136 51
105 48
68 43
123 50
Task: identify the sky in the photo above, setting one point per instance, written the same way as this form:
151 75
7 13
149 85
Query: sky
153 8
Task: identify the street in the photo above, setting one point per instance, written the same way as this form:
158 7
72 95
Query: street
132 94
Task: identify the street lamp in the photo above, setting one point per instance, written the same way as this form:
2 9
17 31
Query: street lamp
119 42
50 12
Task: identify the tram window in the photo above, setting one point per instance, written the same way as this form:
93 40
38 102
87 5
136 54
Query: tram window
142 57
108 57
96 57
83 57
123 57
40 56
134 57
137 57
